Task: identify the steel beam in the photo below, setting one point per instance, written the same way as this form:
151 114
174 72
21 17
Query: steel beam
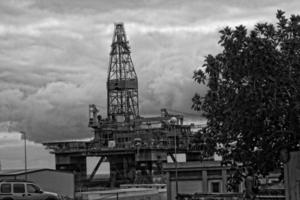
172 157
96 168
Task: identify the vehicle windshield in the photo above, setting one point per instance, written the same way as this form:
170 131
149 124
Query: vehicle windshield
31 188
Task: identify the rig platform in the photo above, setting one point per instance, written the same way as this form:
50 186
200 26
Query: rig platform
135 146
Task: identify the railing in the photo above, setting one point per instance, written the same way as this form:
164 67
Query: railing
268 194
274 194
206 196
94 146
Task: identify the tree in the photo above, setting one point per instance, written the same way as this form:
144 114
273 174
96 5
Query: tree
252 103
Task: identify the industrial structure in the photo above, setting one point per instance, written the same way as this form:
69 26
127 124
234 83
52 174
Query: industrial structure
135 146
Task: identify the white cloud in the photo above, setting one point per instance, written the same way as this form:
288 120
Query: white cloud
12 153
201 28
34 29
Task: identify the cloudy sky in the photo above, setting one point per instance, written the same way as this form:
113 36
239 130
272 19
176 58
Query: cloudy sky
12 153
54 55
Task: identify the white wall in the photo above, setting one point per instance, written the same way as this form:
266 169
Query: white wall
186 187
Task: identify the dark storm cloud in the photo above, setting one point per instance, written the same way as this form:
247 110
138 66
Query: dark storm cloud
54 55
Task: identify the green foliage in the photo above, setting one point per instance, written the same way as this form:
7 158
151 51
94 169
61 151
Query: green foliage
252 104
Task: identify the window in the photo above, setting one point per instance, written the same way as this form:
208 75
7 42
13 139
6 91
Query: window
215 187
19 188
33 188
5 188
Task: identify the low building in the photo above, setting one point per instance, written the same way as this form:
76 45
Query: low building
205 178
48 179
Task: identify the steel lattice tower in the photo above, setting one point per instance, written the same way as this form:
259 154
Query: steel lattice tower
122 82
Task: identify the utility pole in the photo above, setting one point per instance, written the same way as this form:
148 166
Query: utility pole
25 154
176 168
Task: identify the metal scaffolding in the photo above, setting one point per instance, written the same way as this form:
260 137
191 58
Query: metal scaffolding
122 82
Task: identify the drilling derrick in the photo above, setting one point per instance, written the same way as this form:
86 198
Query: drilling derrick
122 83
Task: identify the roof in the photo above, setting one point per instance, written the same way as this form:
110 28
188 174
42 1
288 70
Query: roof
16 172
68 141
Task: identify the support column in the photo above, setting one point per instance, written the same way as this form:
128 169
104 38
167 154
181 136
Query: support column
224 180
204 181
169 187
121 169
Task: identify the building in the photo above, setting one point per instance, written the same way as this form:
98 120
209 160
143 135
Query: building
206 178
48 179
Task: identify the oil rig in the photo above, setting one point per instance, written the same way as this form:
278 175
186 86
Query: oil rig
135 146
